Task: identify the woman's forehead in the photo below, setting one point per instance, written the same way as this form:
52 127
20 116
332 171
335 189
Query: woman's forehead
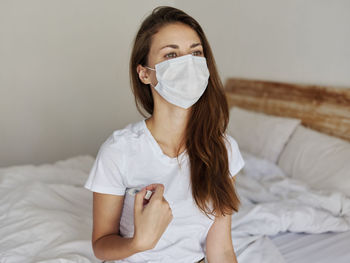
175 34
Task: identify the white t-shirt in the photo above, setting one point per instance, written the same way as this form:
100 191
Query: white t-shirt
131 158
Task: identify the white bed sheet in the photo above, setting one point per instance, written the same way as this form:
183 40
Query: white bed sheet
273 203
45 213
46 216
320 248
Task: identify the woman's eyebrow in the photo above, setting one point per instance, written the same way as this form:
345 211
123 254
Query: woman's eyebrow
195 45
176 46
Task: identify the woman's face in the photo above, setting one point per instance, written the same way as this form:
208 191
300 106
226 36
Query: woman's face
171 41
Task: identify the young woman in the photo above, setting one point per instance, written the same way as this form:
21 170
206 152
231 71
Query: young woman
180 154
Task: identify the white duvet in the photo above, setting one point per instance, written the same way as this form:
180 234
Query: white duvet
46 214
273 203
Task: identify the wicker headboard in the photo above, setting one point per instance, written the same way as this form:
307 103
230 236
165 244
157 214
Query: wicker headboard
325 109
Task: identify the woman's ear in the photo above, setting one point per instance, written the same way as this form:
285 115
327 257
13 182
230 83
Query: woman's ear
143 74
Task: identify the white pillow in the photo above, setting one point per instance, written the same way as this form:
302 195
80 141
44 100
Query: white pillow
320 160
260 134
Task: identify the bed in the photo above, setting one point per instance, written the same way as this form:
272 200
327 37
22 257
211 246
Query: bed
291 211
295 187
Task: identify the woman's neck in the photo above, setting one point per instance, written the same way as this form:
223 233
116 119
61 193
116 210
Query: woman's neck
168 127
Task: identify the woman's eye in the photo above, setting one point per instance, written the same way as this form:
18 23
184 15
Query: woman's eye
197 53
174 55
170 55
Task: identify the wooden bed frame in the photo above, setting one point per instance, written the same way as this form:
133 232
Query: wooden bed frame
322 108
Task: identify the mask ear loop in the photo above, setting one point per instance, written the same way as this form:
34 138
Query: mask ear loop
153 70
150 68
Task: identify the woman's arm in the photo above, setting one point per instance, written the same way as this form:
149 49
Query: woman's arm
106 241
150 221
219 247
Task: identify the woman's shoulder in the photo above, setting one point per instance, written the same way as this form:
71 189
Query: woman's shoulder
236 161
231 142
125 137
116 151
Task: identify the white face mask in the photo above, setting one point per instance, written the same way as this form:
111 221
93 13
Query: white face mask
182 80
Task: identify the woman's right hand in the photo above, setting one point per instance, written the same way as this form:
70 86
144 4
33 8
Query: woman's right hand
150 220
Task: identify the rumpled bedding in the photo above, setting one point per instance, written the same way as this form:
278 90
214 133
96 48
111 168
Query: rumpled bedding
272 203
46 214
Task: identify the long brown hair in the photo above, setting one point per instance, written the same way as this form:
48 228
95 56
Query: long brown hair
205 130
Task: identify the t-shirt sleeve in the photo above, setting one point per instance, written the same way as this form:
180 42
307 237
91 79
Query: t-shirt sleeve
235 159
105 175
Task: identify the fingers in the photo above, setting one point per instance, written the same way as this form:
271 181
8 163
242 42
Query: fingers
159 191
152 187
140 201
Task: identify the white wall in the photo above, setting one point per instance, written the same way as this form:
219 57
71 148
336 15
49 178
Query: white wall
295 41
64 84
